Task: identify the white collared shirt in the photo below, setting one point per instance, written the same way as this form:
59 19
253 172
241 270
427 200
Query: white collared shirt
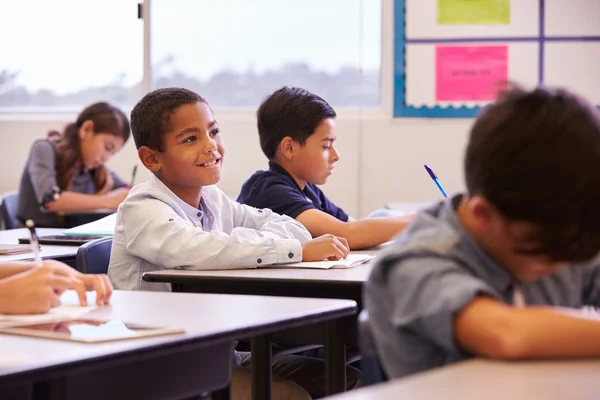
156 230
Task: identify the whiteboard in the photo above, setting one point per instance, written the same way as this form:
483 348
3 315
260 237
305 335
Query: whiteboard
548 43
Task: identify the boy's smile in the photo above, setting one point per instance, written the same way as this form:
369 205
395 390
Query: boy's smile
212 163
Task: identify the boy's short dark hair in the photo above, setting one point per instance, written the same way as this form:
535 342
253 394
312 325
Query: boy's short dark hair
150 116
535 155
290 111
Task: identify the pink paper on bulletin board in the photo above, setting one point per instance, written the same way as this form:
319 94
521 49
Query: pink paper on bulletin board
470 73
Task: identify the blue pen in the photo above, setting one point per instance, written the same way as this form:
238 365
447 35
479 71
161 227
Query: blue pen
435 179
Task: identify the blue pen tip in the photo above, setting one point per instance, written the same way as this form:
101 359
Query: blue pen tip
430 172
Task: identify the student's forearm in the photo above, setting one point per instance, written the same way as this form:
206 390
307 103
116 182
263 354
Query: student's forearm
546 333
374 231
505 332
121 190
13 268
72 201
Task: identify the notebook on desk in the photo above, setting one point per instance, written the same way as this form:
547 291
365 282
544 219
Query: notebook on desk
88 330
62 240
9 249
102 227
69 321
351 261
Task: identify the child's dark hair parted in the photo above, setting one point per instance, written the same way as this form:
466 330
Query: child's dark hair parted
292 112
535 156
150 116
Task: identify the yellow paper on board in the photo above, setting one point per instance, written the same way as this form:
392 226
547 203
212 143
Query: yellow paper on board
473 12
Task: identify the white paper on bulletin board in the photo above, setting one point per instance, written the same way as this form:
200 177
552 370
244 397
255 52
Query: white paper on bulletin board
571 18
574 66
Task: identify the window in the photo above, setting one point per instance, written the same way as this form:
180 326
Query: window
69 53
65 54
235 52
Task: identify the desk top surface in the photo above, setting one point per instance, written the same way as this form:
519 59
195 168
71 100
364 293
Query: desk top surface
408 207
12 236
207 318
355 275
493 380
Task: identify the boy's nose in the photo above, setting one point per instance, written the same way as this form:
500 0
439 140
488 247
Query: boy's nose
335 155
211 147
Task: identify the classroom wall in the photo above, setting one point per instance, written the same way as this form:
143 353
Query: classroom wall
381 158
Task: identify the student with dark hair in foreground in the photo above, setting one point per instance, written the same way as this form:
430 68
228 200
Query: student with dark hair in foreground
475 276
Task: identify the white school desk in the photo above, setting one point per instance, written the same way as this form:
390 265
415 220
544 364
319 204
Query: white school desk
307 283
296 282
65 254
97 211
493 380
407 207
173 366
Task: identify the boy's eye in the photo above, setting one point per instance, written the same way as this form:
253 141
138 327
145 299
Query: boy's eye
326 147
215 132
190 139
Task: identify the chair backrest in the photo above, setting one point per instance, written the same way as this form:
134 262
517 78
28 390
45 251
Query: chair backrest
10 207
370 364
93 257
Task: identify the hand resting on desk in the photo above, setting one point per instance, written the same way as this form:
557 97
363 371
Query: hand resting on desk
328 247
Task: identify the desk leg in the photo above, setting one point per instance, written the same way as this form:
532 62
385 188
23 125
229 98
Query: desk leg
261 367
335 357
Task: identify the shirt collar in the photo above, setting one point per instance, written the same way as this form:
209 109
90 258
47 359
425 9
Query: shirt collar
278 169
196 214
498 277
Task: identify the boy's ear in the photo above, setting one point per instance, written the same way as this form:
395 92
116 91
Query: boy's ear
287 146
483 212
150 158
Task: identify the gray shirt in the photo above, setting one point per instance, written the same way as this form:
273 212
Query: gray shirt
37 180
431 272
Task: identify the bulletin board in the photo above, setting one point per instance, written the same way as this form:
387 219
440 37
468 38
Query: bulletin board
452 56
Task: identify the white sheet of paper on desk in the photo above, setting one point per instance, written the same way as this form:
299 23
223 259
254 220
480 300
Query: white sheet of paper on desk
102 227
108 330
68 309
353 260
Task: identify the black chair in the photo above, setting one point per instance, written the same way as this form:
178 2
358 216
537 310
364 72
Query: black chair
10 207
93 257
370 365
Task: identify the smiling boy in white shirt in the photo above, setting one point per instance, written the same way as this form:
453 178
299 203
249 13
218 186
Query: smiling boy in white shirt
178 219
